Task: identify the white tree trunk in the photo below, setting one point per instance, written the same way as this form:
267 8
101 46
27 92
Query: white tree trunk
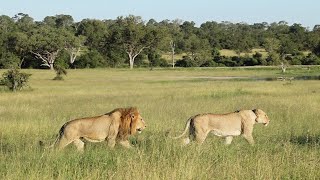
51 66
172 44
283 67
131 61
73 53
48 58
132 55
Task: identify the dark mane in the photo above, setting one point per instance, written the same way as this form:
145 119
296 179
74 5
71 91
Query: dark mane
127 124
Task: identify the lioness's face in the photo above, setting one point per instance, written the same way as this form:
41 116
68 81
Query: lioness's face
262 117
140 124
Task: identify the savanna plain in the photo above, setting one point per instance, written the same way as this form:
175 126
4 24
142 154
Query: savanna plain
289 148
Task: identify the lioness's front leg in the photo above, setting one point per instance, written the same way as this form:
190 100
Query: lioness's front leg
249 138
247 132
228 140
125 143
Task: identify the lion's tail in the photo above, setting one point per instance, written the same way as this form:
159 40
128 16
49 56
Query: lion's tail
186 128
61 132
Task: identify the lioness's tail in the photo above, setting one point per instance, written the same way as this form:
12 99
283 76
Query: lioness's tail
61 132
186 128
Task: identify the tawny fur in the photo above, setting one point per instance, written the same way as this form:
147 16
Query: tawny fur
113 127
224 125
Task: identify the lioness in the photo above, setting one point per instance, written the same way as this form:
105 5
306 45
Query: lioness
224 125
111 127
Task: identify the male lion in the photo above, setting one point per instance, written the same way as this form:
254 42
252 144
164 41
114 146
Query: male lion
225 125
111 127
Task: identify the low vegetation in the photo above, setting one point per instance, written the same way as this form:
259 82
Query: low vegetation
289 148
14 80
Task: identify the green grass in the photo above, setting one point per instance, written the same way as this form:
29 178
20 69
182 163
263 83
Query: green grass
289 148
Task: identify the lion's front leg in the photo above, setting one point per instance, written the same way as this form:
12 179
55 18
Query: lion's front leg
111 141
125 143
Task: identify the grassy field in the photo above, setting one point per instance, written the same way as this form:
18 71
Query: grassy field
230 53
289 148
223 52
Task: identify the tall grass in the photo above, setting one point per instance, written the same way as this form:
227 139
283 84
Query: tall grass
289 148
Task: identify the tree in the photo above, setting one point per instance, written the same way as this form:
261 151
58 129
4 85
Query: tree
18 44
46 43
198 49
272 46
24 22
9 60
73 47
6 24
173 46
134 36
95 31
64 21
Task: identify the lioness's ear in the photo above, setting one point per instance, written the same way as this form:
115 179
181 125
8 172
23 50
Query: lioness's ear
254 110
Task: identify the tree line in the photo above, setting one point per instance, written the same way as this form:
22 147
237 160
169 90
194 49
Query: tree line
130 41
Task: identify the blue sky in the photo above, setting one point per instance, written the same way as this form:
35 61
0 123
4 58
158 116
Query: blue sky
305 12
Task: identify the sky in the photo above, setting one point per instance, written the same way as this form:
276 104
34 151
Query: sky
304 12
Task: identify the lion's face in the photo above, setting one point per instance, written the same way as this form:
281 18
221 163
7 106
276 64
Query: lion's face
138 123
262 117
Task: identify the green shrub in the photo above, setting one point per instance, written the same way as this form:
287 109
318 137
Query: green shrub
60 71
9 60
186 61
209 63
311 59
15 80
92 59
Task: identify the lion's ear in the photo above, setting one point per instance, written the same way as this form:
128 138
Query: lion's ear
132 116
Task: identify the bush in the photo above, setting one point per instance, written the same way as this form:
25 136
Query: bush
60 71
63 60
186 62
209 63
15 80
92 59
295 60
311 59
9 60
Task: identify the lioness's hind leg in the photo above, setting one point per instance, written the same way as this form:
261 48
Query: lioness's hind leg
63 142
186 141
79 144
201 136
228 140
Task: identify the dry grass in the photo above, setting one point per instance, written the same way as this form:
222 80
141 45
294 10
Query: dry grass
230 53
289 148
